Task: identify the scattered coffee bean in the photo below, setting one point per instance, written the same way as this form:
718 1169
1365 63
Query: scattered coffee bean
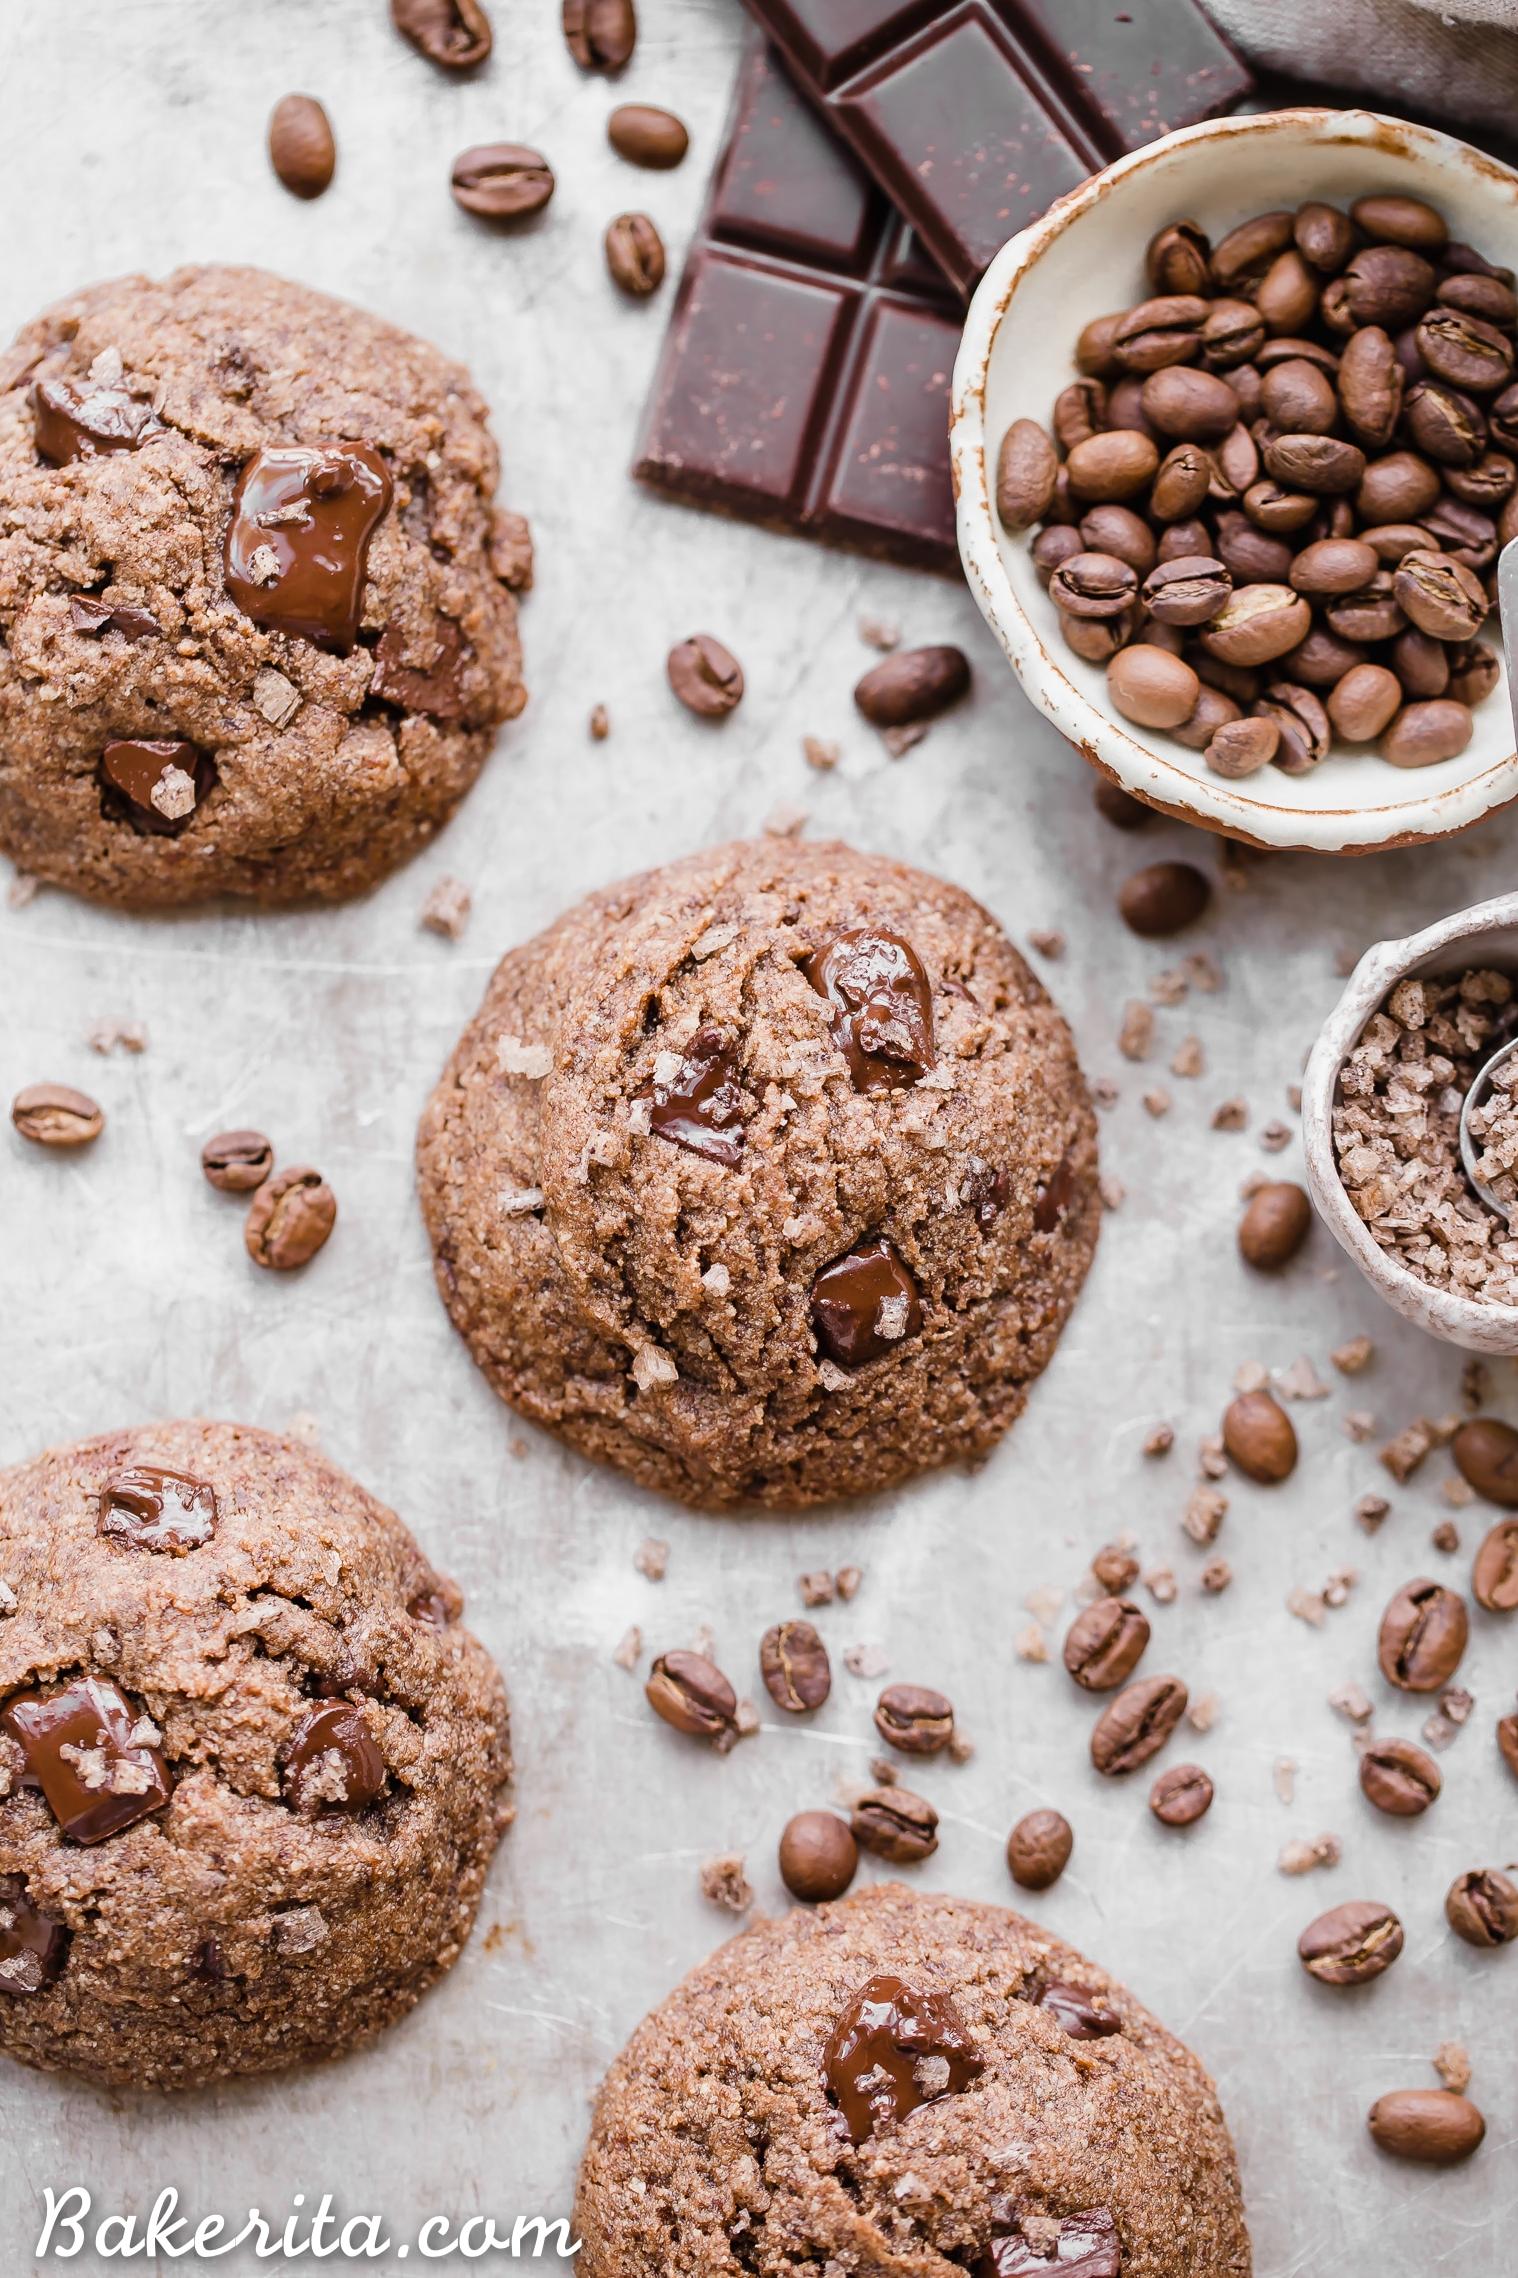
289 1220
1364 703
454 33
818 1856
914 1719
302 151
1400 1778
647 136
1423 734
794 1664
1137 1724
1151 687
55 1115
895 1825
1039 1848
600 34
1482 1907
1432 2125
1351 1944
912 685
1276 1222
237 1161
1027 469
1494 1578
1163 899
1181 1796
635 255
1106 1643
692 1694
502 181
705 676
1115 465
1486 1456
1423 1637
1260 1437
1241 748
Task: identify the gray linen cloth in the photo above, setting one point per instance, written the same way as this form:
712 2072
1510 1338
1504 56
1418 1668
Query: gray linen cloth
1457 60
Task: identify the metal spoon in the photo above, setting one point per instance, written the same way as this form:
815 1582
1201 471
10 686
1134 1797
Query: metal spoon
1507 603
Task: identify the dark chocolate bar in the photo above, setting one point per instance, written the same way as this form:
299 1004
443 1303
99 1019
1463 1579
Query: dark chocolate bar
805 377
975 115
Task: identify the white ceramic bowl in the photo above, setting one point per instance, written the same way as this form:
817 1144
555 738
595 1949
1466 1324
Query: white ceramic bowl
1085 257
1484 935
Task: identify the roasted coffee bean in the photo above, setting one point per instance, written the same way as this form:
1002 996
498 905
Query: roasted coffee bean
1389 541
1038 1849
1094 353
1063 507
454 33
1059 543
1193 406
794 1664
1333 565
1481 1907
1503 415
1487 297
301 149
1189 535
895 1825
1163 899
1242 747
1486 1456
1371 385
1424 734
1166 330
1233 334
1276 1222
1250 555
1234 680
1117 464
1276 510
1396 219
600 34
915 684
1287 294
1118 530
1397 488
1246 253
1106 1643
1464 532
1420 663
1486 484
1445 424
1298 399
692 1694
502 181
1319 463
237 1161
1091 586
914 1719
1189 591
1097 639
1137 1724
1177 259
818 1856
1235 466
1288 348
55 1115
1372 614
1027 468
1440 595
1301 725
290 1218
1151 687
1181 1796
647 136
1423 1637
1322 660
1257 624
1387 285
1399 1778
1260 1437
1364 702
1431 2125
1465 350
1080 410
1474 673
1324 236
634 255
1211 712
1351 1944
707 678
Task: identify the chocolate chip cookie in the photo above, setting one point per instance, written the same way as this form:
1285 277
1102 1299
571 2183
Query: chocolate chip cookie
770 1176
252 1771
257 614
913 2084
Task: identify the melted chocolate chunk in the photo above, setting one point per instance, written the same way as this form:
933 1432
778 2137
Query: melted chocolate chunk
157 1510
986 1191
864 1304
332 1763
209 1963
97 1759
88 614
701 1108
1078 2013
437 687
155 782
33 1947
298 541
882 1007
1054 1196
74 421
894 2049
1086 2246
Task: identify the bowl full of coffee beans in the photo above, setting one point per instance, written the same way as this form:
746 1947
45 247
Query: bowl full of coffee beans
1236 441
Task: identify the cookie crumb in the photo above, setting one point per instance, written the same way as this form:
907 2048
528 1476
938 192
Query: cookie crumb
879 633
130 1035
1352 1702
1274 1137
1135 1037
899 741
1159 1439
599 723
1030 1644
816 1589
1158 1102
1446 1537
1160 1582
1204 1515
1112 1191
1230 1115
1370 1511
22 889
1188 1059
1301 1857
1353 1356
515 1058
784 821
725 1884
1403 1454
1300 1381
865 1661
1115 1568
630 1651
1358 1423
821 754
1049 943
446 909
1453 2065
1202 1713
652 1558
1284 1777
848 1580
1216 1576
1307 1605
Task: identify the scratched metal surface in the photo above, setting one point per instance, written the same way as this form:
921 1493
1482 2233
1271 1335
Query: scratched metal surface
133 138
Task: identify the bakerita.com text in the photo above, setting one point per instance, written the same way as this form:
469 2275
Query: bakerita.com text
71 2223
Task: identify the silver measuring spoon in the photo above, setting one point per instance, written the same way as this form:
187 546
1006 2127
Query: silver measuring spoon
1480 1091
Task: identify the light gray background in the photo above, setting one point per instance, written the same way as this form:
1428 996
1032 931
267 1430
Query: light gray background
133 138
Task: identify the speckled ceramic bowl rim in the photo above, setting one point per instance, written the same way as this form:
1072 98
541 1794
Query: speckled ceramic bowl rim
1454 942
1150 773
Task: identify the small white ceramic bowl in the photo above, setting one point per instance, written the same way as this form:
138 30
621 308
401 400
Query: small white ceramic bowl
1484 935
1085 257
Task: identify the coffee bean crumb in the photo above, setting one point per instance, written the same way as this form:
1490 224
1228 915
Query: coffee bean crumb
865 1661
1301 1857
1169 986
1216 1576
1350 1358
1370 1511
1230 1115
599 723
1049 942
1204 1515
1202 1713
1158 1440
1104 1092
1300 1381
1457 1492
1204 972
1158 1102
1031 1644
848 1581
1135 1038
1446 1537
879 633
725 1884
1352 1702
1453 2065
1189 1059
630 1651
1358 1424
130 1035
784 821
652 1558
1274 1137
1212 1459
446 909
961 1747
816 1589
1452 1714
1474 1380
821 754
1403 1454
1161 1584
1284 1777
901 739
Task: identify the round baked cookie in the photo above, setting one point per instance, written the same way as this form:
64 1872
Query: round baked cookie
909 2084
252 1771
257 624
768 1176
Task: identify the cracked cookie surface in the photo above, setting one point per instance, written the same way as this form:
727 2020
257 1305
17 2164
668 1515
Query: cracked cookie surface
769 1175
252 1769
164 447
